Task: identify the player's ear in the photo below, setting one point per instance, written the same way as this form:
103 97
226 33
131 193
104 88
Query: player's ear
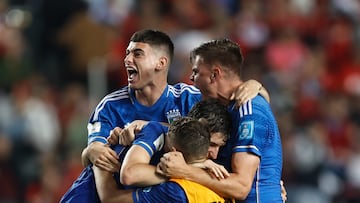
163 63
215 72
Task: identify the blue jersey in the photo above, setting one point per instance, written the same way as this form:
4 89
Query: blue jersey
83 189
152 139
120 108
255 130
162 193
179 191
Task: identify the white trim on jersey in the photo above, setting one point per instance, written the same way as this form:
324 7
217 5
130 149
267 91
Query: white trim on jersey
183 87
97 137
146 146
117 95
249 146
246 109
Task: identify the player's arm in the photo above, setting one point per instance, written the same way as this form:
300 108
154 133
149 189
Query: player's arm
248 90
236 186
84 157
99 152
107 189
99 126
136 170
101 155
126 136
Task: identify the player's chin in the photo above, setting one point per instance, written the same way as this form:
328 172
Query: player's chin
133 85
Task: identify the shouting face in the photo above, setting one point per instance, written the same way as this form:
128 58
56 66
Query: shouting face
141 62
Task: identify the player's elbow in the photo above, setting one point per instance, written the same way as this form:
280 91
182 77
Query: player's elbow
84 157
241 192
127 177
240 195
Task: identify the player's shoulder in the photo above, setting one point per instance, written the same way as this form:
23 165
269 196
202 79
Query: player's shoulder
116 98
260 100
123 91
183 88
254 104
120 94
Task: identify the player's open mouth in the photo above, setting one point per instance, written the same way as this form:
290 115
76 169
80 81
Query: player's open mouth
131 73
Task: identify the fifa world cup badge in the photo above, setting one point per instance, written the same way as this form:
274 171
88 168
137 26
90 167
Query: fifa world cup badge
246 130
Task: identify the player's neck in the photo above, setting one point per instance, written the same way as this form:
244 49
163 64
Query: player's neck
226 89
150 94
197 163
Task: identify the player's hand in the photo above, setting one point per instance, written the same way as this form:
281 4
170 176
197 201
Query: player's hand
246 91
215 169
127 135
113 138
102 156
172 164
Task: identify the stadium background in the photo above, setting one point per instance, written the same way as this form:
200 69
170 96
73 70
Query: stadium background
59 57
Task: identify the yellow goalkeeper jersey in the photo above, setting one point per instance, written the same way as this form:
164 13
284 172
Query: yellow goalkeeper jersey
197 193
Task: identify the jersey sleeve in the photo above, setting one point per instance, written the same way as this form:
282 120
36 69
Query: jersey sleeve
115 109
152 137
252 128
99 125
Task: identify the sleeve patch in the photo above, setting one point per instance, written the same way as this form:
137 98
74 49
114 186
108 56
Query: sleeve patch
246 130
94 128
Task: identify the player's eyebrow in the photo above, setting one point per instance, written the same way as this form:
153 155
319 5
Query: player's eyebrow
134 50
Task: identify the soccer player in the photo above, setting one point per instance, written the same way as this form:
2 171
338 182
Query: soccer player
187 135
147 96
253 153
136 169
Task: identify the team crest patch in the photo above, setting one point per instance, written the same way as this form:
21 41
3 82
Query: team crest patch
246 130
173 115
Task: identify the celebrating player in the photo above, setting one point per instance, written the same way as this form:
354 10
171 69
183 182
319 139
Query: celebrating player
253 153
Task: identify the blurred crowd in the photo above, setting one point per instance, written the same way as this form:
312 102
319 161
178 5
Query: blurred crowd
58 58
